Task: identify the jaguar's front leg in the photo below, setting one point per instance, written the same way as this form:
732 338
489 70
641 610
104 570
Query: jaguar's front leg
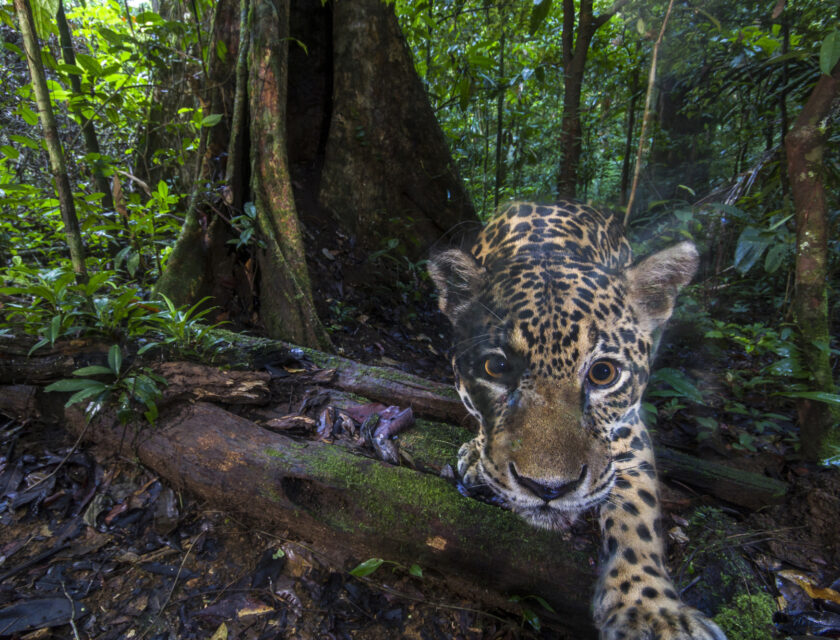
635 598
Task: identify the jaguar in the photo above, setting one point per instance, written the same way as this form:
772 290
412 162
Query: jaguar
554 327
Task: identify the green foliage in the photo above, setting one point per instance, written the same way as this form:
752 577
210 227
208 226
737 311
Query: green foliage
182 330
246 224
119 60
529 615
830 52
125 386
750 617
50 304
777 240
369 566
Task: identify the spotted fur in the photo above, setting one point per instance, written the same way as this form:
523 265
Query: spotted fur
553 332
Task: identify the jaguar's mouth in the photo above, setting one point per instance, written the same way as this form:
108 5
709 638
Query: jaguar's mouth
545 516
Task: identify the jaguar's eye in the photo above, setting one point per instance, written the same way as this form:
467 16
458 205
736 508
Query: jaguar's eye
602 373
496 366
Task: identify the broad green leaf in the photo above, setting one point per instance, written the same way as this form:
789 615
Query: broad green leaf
830 52
96 281
55 328
680 383
93 370
531 618
28 115
750 246
819 396
542 602
367 567
538 15
10 152
89 64
152 413
212 120
775 257
706 422
110 36
465 92
132 263
13 48
26 142
44 12
416 571
146 347
69 68
70 384
83 394
149 17
115 358
38 345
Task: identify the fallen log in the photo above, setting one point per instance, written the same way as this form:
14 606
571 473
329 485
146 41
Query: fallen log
742 488
194 381
353 506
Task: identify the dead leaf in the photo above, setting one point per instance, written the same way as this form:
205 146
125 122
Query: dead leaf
807 585
676 534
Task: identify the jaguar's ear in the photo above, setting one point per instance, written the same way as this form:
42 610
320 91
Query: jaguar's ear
654 282
457 276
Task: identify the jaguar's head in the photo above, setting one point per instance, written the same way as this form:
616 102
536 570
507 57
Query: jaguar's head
552 357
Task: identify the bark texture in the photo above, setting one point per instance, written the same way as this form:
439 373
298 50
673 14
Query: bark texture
387 164
187 276
286 307
804 145
327 104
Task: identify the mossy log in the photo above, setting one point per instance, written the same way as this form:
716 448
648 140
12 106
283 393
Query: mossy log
354 507
382 384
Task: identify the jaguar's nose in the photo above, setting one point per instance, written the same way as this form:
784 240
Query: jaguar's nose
548 491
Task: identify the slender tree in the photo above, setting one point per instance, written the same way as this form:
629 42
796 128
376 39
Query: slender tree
88 130
576 43
804 145
72 233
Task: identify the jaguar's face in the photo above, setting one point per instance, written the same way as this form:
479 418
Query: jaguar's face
549 362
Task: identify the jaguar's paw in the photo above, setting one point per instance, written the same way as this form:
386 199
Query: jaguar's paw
668 622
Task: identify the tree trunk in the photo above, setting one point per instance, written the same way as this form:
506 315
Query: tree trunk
86 124
387 161
329 112
501 87
72 233
287 308
575 50
804 146
187 276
